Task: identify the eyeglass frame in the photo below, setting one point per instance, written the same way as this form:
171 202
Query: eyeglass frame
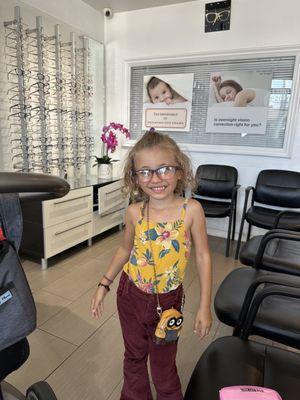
176 168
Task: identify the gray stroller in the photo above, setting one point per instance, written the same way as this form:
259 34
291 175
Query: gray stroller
13 356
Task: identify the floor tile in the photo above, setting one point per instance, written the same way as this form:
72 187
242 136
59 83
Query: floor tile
95 369
48 305
47 353
74 284
74 323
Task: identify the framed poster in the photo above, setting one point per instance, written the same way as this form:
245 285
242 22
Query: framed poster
272 74
238 102
167 102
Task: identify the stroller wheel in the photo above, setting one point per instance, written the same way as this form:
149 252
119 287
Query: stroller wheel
40 391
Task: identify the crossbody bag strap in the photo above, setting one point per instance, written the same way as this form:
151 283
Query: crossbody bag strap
158 308
11 218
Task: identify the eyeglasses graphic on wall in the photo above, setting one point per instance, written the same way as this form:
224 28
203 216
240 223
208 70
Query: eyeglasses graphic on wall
213 17
217 16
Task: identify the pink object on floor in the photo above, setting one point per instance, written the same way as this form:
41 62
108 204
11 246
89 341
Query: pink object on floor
248 393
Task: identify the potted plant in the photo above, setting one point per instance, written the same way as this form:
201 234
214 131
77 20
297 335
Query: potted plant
110 141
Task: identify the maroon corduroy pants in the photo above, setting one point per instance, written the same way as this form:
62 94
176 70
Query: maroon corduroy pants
138 317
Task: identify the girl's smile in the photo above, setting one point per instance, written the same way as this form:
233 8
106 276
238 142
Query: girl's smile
158 189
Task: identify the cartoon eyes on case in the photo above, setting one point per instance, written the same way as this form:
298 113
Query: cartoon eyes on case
169 326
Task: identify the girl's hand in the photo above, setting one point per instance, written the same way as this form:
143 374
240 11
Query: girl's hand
97 307
203 322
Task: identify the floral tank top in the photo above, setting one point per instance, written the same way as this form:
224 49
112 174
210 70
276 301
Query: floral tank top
171 249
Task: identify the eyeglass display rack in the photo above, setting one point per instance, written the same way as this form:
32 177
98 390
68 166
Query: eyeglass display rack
50 91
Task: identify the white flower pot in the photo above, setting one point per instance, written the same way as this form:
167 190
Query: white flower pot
104 171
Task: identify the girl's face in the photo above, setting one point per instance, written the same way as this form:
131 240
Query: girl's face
228 93
158 185
160 93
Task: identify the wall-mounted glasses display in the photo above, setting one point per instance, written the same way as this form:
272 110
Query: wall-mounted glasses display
49 92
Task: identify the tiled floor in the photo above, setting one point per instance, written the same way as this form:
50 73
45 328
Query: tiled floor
82 358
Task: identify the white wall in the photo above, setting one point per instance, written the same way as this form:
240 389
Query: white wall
179 30
75 13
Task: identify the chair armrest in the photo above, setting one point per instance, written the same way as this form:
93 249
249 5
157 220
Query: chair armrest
275 279
273 234
234 192
282 213
248 189
276 290
277 230
247 192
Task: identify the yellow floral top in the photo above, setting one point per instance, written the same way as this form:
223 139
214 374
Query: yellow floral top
171 249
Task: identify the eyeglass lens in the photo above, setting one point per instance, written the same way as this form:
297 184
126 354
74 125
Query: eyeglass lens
165 172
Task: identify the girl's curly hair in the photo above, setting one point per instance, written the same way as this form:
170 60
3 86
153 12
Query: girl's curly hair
148 140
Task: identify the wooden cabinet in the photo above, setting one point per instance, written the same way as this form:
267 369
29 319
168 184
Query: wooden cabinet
53 226
111 207
76 203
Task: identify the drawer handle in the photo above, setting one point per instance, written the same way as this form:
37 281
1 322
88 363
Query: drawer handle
113 191
75 198
74 227
111 212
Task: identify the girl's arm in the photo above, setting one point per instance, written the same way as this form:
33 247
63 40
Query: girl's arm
119 259
203 318
244 97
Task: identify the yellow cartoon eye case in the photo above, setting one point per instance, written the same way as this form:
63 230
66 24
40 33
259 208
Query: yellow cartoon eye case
169 325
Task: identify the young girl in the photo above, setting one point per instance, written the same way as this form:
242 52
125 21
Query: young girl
232 91
160 224
160 91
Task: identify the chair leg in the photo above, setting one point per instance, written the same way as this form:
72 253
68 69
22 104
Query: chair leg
249 232
239 238
228 235
234 223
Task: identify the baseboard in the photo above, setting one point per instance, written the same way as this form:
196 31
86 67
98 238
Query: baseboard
213 231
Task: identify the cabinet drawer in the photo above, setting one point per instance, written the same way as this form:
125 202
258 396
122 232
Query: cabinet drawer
103 223
110 198
76 203
65 235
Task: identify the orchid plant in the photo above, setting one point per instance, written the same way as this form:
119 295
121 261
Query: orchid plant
110 140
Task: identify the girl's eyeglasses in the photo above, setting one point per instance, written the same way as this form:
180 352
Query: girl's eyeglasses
165 172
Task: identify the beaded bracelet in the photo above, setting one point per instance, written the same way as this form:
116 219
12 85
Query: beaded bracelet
105 286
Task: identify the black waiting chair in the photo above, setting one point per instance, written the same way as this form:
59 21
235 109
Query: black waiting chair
277 319
274 188
217 192
278 251
235 360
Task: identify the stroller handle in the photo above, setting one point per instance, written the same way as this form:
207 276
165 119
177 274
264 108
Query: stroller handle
32 186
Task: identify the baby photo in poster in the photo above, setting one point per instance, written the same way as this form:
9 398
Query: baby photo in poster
238 102
167 102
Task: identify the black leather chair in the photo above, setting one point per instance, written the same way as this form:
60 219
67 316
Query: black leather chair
278 251
217 192
273 188
231 361
277 319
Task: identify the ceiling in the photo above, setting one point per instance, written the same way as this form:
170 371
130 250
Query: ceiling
129 5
